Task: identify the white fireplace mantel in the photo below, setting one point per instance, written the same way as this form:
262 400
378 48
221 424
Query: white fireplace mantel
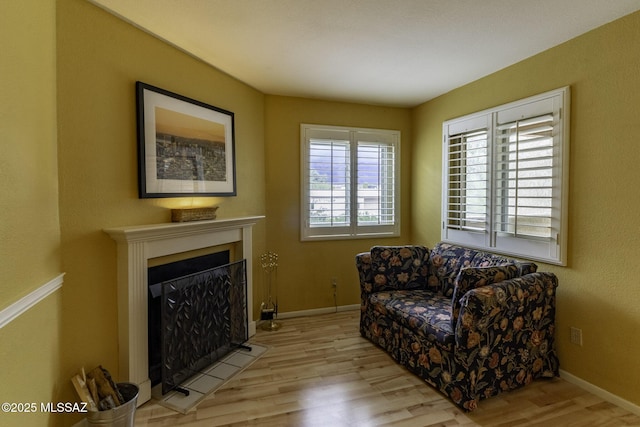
136 246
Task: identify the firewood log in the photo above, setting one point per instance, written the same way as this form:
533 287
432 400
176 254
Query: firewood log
93 389
106 387
83 392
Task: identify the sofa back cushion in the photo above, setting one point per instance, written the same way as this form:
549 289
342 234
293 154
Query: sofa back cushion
447 260
399 267
486 259
474 277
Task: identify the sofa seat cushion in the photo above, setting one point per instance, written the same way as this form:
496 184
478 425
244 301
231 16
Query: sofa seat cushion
423 312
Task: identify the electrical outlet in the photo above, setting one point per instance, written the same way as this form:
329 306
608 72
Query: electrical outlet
334 282
576 336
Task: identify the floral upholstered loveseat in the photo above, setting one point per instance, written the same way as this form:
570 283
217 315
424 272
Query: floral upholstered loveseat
470 323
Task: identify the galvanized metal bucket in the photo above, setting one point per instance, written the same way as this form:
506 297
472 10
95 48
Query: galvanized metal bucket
122 416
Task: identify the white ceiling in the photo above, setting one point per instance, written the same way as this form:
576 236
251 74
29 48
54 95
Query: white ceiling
387 52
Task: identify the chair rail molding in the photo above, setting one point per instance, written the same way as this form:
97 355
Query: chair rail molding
11 312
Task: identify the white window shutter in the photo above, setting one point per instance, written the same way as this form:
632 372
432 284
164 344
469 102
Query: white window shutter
350 182
526 179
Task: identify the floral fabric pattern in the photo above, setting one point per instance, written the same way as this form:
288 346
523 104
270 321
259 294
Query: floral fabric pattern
502 337
474 277
399 267
363 264
421 311
446 261
485 259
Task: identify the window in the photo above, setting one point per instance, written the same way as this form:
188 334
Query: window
350 182
505 178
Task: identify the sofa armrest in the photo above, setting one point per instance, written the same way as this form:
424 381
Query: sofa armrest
363 264
506 325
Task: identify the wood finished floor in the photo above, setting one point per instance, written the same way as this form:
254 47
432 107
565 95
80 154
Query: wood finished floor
320 372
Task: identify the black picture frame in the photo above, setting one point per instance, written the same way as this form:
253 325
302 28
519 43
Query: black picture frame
186 148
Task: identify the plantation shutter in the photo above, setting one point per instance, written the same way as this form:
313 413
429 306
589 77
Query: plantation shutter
349 182
327 180
376 180
524 184
329 205
529 185
505 178
467 184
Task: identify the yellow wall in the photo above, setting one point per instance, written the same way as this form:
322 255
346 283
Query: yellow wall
306 268
100 57
29 226
93 154
598 290
29 229
30 360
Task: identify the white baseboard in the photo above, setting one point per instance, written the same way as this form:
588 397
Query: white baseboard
303 313
601 393
316 311
10 313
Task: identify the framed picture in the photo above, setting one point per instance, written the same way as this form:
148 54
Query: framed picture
185 147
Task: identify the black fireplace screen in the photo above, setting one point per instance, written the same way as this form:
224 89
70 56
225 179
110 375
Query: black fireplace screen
204 317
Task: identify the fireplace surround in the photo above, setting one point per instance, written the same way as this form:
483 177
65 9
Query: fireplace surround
136 245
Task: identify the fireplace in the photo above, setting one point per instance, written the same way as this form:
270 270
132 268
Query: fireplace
137 246
203 319
158 276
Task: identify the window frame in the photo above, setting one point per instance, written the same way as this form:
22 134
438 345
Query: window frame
551 248
356 138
